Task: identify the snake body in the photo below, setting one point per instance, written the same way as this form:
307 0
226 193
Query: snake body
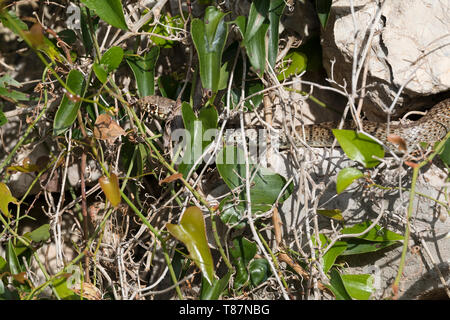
430 128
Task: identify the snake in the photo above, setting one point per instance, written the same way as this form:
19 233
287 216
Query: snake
430 128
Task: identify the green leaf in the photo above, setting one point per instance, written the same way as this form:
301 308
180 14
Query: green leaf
3 265
144 71
3 119
293 63
40 234
196 127
359 147
265 186
108 10
231 213
213 292
166 27
5 198
359 246
112 58
65 293
335 214
323 11
256 49
346 177
191 231
100 72
259 271
209 37
242 252
20 24
445 153
337 286
275 12
358 286
13 261
256 18
375 234
67 111
330 257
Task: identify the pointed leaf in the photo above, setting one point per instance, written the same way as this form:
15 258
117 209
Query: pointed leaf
346 177
213 292
191 231
259 271
335 214
377 233
67 111
360 246
108 10
359 147
358 286
5 198
144 71
337 286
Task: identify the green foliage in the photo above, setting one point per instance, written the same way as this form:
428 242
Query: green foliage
68 109
144 70
108 10
346 177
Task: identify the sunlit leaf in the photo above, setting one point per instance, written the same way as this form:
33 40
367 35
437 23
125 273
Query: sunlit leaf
359 147
191 231
360 246
346 177
293 63
335 214
337 286
108 10
209 37
377 233
5 198
68 109
358 286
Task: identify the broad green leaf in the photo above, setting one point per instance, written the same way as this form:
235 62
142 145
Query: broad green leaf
242 252
213 292
63 291
209 37
256 49
19 23
359 246
359 147
293 63
196 127
231 213
85 31
323 11
67 111
40 234
166 27
358 286
346 177
144 71
335 214
110 61
337 286
11 257
191 231
377 233
445 153
259 271
108 10
5 198
265 186
112 58
275 12
330 256
256 17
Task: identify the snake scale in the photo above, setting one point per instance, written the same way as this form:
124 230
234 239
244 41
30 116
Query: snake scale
430 128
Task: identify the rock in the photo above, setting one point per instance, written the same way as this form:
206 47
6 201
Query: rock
410 40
